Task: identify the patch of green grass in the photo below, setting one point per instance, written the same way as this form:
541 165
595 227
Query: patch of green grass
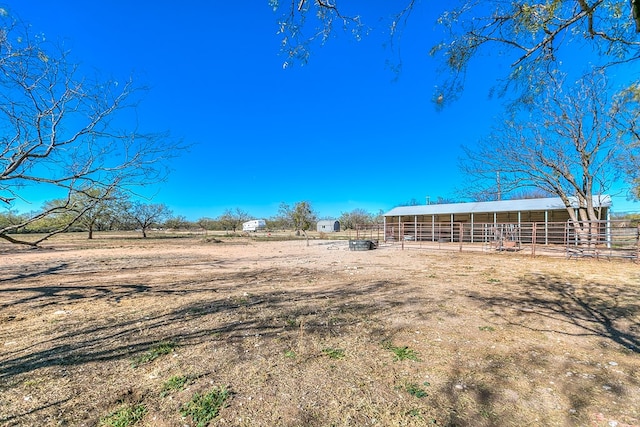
414 413
33 382
334 353
290 354
487 328
415 390
203 408
125 416
292 323
401 353
151 355
487 413
176 383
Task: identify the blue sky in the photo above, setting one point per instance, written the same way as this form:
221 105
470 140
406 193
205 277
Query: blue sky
342 131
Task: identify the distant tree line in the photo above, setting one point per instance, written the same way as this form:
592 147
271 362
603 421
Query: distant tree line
118 212
82 212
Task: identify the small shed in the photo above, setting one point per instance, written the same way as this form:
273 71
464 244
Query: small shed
328 226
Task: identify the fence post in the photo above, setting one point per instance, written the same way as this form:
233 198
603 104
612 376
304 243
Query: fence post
533 239
638 244
566 237
461 235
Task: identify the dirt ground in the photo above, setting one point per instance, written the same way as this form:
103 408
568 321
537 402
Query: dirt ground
315 335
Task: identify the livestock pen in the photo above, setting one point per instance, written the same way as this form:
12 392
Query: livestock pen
597 239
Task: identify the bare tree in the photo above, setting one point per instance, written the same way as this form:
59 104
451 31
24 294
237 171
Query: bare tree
146 215
628 121
207 223
530 193
64 133
233 219
357 217
177 222
411 202
568 144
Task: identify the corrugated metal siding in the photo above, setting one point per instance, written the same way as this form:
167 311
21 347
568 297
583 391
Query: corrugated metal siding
487 218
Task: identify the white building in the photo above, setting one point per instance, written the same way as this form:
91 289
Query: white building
254 225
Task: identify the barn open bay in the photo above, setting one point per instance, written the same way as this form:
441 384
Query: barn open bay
315 335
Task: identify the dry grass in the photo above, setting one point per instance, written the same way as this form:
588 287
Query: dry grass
310 336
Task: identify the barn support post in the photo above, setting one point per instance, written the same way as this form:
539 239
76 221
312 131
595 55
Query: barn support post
415 228
578 237
461 234
608 230
401 230
638 244
452 230
519 221
566 239
384 228
433 228
471 237
485 235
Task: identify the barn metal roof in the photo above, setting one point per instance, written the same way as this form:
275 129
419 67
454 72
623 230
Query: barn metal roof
520 205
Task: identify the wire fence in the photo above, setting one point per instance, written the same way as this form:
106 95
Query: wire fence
593 239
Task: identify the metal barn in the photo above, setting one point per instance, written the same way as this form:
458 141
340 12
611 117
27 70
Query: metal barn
542 221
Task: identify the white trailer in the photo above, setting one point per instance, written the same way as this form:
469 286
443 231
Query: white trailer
254 225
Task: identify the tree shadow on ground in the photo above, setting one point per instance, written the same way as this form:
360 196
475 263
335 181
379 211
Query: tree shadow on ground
44 272
608 311
22 296
477 396
227 307
54 295
35 410
104 340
